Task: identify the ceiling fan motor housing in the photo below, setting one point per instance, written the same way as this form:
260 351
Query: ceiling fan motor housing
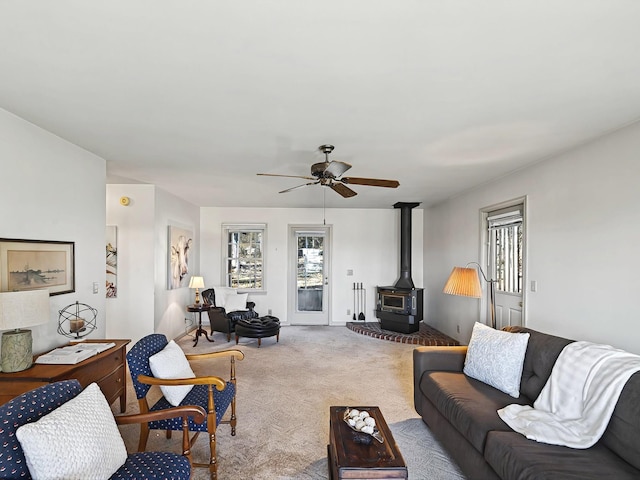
318 169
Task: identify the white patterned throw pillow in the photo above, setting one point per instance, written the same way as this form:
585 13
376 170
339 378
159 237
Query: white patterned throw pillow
496 358
79 440
171 362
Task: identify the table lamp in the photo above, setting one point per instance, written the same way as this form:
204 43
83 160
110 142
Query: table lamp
17 311
466 282
196 282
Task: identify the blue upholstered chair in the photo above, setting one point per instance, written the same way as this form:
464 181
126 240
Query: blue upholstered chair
212 393
35 404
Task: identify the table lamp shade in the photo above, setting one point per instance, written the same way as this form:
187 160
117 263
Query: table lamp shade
463 281
17 311
196 282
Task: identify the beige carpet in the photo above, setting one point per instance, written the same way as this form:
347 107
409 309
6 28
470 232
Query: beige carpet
284 393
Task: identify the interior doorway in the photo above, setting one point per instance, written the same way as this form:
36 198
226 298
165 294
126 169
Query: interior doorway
504 254
309 273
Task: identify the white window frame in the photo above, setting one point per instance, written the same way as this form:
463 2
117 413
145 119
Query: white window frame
228 228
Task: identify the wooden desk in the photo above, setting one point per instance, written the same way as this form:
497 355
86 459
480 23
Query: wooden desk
107 369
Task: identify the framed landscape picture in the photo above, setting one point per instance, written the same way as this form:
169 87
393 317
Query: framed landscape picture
37 264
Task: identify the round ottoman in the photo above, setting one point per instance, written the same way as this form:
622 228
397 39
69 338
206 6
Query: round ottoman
258 328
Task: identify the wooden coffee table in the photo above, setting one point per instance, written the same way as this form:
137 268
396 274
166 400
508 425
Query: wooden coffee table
351 460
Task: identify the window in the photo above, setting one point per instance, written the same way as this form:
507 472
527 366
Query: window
505 237
244 256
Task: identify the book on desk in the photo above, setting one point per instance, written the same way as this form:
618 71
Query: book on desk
72 354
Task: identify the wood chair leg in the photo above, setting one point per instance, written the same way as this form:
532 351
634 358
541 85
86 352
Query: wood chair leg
144 436
213 461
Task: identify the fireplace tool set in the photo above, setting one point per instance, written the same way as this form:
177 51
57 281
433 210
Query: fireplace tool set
359 301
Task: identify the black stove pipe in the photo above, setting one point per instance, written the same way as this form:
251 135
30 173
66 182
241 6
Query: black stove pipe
405 281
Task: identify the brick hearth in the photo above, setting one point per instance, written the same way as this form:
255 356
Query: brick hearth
426 335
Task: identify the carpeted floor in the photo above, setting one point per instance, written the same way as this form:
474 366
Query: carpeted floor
284 393
426 335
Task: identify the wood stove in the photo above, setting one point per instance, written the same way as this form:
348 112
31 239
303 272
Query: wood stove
400 307
400 310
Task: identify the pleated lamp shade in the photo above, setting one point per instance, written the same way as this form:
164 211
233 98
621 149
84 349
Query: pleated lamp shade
463 281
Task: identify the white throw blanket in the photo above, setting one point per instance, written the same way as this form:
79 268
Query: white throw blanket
576 403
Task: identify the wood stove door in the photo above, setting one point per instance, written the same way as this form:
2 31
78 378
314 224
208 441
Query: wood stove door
309 275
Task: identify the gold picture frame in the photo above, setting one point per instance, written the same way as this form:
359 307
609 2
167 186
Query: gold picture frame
36 265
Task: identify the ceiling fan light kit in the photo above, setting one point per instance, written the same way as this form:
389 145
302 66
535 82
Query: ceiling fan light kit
329 174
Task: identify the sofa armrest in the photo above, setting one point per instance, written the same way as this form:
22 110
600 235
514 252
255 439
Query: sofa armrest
449 359
442 359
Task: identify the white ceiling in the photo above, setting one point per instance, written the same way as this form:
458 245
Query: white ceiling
198 96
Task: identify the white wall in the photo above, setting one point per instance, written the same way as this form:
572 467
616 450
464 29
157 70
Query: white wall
170 305
131 313
51 189
583 224
144 305
366 241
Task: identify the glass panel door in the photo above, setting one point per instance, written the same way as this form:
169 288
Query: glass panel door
310 272
309 278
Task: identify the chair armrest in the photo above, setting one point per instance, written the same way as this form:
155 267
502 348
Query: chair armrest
218 382
197 413
237 354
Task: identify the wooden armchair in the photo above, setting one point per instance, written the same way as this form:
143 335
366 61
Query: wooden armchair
223 321
42 401
212 393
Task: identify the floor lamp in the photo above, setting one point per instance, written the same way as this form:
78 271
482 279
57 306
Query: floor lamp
466 282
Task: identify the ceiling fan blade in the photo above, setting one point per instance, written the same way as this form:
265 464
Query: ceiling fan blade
335 168
374 182
343 190
299 186
289 176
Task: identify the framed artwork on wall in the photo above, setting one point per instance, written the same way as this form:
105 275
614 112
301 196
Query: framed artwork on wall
37 264
180 244
112 261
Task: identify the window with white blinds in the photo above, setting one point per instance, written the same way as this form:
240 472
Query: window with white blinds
505 248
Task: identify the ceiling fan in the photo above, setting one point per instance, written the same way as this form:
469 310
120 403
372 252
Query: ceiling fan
328 174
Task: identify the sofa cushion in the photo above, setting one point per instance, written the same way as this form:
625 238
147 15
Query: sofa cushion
621 434
512 455
542 352
469 405
496 358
